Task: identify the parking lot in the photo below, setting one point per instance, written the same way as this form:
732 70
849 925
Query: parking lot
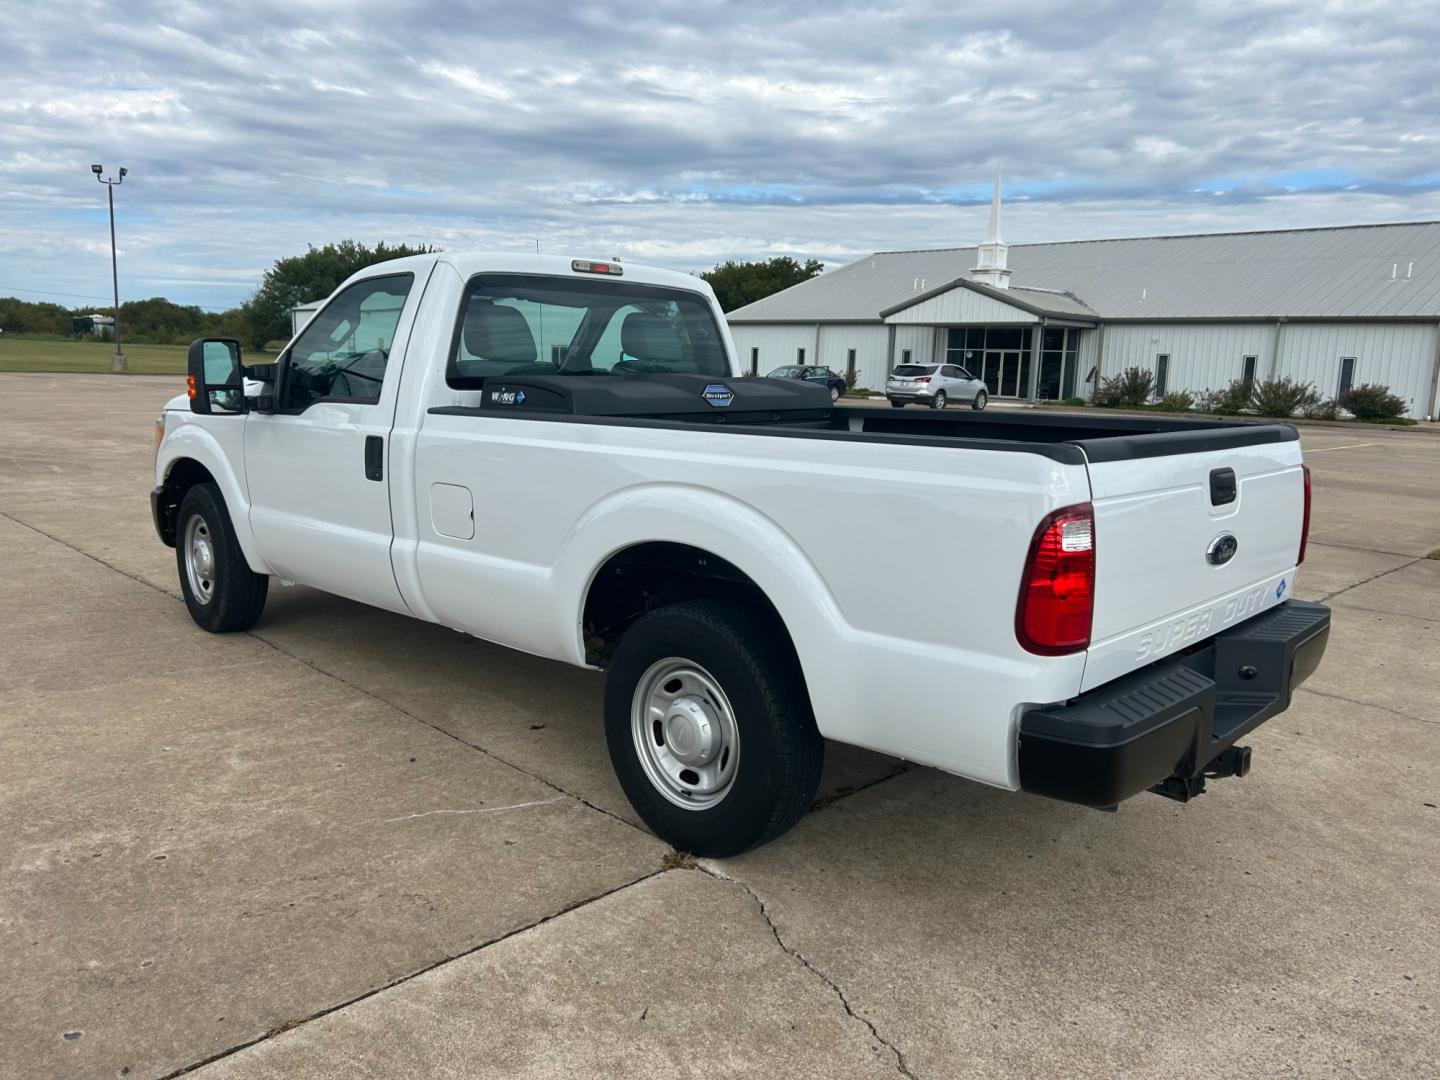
349 844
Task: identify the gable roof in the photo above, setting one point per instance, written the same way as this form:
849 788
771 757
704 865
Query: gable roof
1335 272
1033 301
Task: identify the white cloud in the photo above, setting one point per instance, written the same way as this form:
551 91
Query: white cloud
688 133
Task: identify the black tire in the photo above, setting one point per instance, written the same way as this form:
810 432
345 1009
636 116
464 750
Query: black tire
237 594
978 401
834 395
939 400
780 750
897 404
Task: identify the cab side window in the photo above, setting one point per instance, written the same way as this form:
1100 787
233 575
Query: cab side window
342 354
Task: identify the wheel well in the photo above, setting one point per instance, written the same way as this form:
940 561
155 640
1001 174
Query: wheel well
639 579
183 475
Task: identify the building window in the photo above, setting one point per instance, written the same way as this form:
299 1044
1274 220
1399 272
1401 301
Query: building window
754 359
904 356
1247 372
1347 378
1162 373
849 361
800 356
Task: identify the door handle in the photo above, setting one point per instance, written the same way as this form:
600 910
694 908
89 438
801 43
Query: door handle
374 457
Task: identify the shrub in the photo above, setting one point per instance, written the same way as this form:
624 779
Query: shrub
1282 397
1073 402
1130 388
852 375
1177 401
1371 401
1329 409
1230 401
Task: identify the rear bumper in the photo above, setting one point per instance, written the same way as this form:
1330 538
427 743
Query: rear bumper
1175 717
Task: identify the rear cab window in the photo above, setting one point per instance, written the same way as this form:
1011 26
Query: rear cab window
518 324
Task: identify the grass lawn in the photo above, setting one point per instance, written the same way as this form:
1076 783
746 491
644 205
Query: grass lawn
19 353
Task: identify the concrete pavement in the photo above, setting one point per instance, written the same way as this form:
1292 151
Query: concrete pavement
349 844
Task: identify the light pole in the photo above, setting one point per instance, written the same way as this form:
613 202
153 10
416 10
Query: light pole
118 363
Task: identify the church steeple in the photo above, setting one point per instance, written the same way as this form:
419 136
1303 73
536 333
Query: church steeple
990 267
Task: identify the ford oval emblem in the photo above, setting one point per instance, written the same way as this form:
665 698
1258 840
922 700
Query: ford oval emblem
1222 549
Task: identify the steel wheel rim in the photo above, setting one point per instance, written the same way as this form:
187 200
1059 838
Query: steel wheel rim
685 734
199 548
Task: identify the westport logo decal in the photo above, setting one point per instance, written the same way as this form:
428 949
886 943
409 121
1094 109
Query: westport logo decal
718 395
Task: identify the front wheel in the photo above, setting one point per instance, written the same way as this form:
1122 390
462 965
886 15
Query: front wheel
709 727
980 399
834 395
221 591
940 400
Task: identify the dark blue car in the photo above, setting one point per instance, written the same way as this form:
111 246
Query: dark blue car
811 373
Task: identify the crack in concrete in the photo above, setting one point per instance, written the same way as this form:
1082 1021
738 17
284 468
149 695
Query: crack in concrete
901 1065
451 735
402 979
842 794
1367 705
331 675
1358 547
479 810
1372 577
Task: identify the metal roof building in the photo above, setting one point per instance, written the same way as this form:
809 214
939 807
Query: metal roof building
1336 307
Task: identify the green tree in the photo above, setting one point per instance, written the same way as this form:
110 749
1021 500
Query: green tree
739 283
312 276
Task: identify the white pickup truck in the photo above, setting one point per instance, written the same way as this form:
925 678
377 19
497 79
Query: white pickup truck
563 457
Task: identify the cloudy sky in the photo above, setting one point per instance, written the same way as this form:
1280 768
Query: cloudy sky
685 133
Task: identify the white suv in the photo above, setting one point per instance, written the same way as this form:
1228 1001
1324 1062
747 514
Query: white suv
936 385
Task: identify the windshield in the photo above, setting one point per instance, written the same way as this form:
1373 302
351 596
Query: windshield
517 324
908 370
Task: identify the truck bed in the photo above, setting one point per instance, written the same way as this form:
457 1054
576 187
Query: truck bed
788 408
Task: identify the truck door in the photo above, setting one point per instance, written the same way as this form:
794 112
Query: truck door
316 466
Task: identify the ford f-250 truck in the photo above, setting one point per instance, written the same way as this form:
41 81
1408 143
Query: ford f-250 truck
563 457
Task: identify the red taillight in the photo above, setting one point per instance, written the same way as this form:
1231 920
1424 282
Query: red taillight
923 378
1057 593
1305 521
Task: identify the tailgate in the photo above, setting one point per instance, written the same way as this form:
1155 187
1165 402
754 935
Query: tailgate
1162 579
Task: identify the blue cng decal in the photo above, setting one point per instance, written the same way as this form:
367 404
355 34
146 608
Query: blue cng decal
1280 589
718 395
508 397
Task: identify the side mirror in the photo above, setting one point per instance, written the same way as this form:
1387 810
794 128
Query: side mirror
214 381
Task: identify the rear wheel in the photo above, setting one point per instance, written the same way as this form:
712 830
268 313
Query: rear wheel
979 402
220 589
940 400
709 727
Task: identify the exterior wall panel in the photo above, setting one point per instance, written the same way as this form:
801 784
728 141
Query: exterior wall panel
1398 355
777 343
920 340
1203 356
869 343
